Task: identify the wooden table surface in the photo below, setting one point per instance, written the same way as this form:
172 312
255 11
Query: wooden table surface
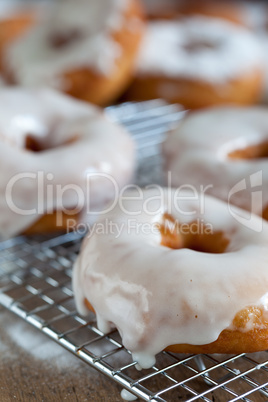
34 368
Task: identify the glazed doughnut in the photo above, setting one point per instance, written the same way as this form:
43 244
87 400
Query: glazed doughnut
85 48
221 149
198 62
177 272
60 159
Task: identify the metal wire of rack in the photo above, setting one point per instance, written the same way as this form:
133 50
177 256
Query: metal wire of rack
35 284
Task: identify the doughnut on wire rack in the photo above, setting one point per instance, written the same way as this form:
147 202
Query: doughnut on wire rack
35 284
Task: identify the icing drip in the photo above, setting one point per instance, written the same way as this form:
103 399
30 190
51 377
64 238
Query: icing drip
156 296
127 396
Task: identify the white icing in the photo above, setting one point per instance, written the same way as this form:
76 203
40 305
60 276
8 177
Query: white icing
156 296
53 119
196 153
95 21
233 50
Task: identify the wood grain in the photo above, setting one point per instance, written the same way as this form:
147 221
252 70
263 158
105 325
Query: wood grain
25 376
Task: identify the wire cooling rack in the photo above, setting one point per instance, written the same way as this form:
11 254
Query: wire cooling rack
35 284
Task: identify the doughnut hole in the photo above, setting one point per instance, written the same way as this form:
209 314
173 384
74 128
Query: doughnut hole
194 235
60 40
257 151
195 46
33 145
